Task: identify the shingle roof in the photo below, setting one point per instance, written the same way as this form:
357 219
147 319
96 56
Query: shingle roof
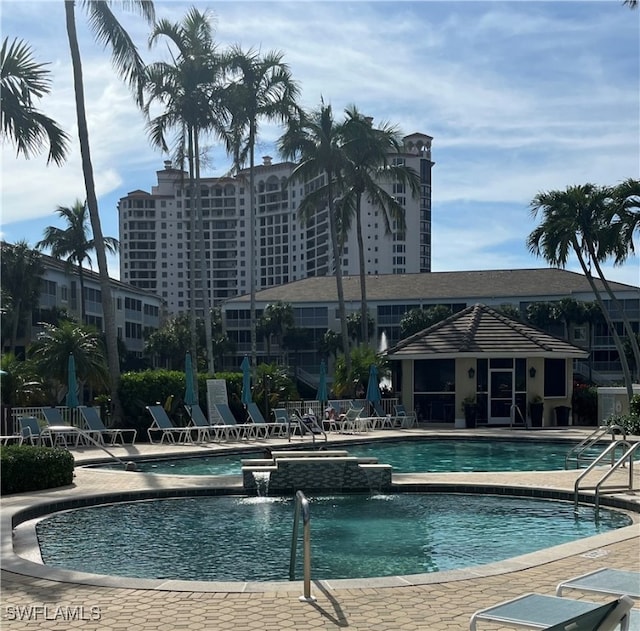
480 330
470 287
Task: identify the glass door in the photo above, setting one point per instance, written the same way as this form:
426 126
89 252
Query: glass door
500 395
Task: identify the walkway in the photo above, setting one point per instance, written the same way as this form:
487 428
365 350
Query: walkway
441 602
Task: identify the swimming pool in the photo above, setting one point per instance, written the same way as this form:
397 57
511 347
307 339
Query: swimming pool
407 456
248 539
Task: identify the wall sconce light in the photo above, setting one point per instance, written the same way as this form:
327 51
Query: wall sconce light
532 372
472 372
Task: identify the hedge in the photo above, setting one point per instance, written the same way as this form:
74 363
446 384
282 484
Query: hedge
30 468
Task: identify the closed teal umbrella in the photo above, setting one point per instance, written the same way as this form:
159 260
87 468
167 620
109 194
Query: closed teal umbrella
373 387
190 394
246 381
322 384
72 384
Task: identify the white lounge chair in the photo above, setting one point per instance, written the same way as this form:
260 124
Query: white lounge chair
604 581
247 431
536 611
404 419
269 429
96 426
31 432
162 423
205 430
61 432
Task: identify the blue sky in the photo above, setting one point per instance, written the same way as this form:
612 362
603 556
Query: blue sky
519 96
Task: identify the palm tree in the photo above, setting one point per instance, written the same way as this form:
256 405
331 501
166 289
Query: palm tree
50 353
129 65
261 88
73 244
276 320
190 90
315 142
368 165
21 275
571 220
22 81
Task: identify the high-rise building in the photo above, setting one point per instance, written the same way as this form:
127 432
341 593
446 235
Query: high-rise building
155 232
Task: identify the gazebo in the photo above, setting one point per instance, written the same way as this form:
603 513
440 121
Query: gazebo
505 368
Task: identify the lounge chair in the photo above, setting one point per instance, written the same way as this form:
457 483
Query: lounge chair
350 421
535 611
380 418
62 433
162 423
112 435
242 430
205 430
281 418
608 581
270 429
32 433
404 419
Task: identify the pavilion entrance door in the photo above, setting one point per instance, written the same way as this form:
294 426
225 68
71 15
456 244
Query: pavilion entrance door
501 395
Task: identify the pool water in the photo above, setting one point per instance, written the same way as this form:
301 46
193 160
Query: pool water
249 539
409 456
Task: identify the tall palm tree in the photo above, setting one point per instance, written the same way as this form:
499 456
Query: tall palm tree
22 81
129 65
315 142
368 151
50 352
190 88
261 88
569 223
73 243
22 270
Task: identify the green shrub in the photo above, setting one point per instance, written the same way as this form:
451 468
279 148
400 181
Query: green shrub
139 389
29 468
584 404
629 422
634 406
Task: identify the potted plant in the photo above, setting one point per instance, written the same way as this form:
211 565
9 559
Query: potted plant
470 408
536 409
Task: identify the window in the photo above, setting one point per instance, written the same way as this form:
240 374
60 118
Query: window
555 378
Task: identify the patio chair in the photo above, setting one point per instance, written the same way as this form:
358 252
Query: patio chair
608 581
535 611
404 419
281 418
350 421
61 432
247 431
270 429
380 419
205 431
112 435
31 432
162 423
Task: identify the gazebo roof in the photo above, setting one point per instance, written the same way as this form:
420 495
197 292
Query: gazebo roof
481 330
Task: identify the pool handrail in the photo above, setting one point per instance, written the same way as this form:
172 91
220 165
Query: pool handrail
577 451
302 507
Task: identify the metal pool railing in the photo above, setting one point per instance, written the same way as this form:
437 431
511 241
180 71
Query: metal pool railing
302 508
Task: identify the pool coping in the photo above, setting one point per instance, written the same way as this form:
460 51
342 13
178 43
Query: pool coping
23 538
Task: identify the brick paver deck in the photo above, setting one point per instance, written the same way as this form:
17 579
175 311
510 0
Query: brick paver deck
444 604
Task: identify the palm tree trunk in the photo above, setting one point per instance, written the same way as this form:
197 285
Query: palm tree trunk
616 338
337 262
364 325
108 312
633 340
252 246
83 309
204 267
193 338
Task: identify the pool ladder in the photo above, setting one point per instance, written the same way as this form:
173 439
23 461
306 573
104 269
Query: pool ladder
578 453
302 508
627 457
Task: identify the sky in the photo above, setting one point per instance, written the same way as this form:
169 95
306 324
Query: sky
519 96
